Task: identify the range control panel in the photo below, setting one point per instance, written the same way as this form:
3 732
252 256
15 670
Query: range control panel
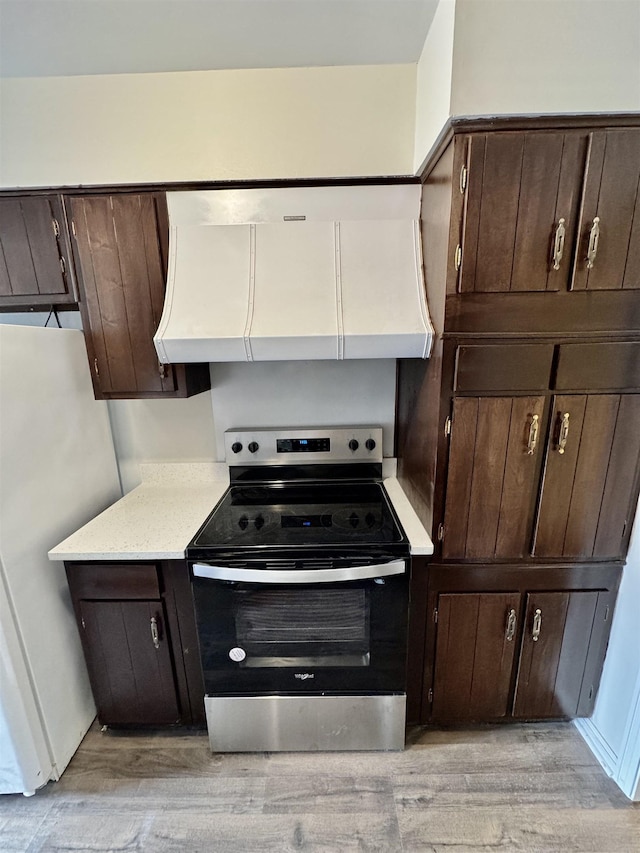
288 446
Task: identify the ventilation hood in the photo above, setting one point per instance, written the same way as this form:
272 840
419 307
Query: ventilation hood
294 273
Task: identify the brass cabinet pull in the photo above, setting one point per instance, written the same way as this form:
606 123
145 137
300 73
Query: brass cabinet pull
594 237
95 367
511 625
533 435
537 624
155 634
564 433
457 258
558 244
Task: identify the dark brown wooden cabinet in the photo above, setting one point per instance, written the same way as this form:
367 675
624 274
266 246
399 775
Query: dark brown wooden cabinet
549 210
35 267
120 245
139 638
518 443
129 661
516 643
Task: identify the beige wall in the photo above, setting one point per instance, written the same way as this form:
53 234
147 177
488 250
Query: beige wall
213 125
433 80
528 56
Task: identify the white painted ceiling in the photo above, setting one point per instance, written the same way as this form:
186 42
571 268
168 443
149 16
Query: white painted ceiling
68 37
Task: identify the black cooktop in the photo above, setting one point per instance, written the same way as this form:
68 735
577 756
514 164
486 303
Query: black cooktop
296 518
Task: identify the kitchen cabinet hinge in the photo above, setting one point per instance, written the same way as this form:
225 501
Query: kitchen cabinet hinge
430 696
56 227
435 615
440 532
447 427
463 179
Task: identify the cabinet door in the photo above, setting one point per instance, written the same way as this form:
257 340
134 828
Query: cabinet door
553 658
608 250
590 476
475 642
119 249
521 211
494 464
129 661
34 266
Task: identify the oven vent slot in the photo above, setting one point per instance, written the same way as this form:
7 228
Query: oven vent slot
317 564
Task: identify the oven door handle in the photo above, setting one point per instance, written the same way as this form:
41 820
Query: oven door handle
264 576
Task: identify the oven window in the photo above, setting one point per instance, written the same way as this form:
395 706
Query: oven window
306 627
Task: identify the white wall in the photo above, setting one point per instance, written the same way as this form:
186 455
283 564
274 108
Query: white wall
305 393
209 125
613 731
528 56
433 80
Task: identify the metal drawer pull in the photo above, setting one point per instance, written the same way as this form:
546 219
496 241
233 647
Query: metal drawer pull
511 625
155 634
564 433
537 624
594 236
533 434
229 573
558 244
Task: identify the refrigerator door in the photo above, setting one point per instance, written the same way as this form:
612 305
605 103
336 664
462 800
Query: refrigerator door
57 471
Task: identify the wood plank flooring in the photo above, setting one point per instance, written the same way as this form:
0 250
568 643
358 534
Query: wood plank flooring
531 788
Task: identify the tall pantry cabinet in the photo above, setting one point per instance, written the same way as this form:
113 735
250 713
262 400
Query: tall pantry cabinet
519 441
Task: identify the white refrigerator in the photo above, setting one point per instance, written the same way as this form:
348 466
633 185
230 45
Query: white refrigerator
57 471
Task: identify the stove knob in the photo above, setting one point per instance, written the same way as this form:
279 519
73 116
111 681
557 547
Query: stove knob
354 444
236 447
253 446
370 444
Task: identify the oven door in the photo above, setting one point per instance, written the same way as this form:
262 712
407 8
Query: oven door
293 631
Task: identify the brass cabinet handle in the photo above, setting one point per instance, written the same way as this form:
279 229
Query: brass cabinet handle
564 433
511 625
537 625
95 367
558 244
594 237
533 434
155 634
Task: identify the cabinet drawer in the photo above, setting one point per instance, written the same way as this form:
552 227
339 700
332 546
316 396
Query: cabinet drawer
111 581
503 367
606 366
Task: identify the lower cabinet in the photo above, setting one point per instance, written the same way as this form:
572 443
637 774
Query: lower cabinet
515 642
138 635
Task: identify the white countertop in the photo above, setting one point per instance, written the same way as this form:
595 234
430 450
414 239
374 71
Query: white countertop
158 519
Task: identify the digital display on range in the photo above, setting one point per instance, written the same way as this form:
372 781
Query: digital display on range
303 445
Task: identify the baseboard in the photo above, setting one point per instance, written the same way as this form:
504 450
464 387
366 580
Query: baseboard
598 745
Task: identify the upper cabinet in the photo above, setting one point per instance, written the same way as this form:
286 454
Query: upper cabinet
120 246
548 211
34 253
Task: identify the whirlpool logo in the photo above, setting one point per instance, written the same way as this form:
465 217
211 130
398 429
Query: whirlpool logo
302 676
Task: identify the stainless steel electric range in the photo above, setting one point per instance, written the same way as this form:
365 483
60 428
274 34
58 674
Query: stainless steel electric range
300 580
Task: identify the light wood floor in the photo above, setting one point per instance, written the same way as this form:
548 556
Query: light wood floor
511 788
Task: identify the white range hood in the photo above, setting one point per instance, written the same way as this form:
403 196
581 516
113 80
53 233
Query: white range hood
292 274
